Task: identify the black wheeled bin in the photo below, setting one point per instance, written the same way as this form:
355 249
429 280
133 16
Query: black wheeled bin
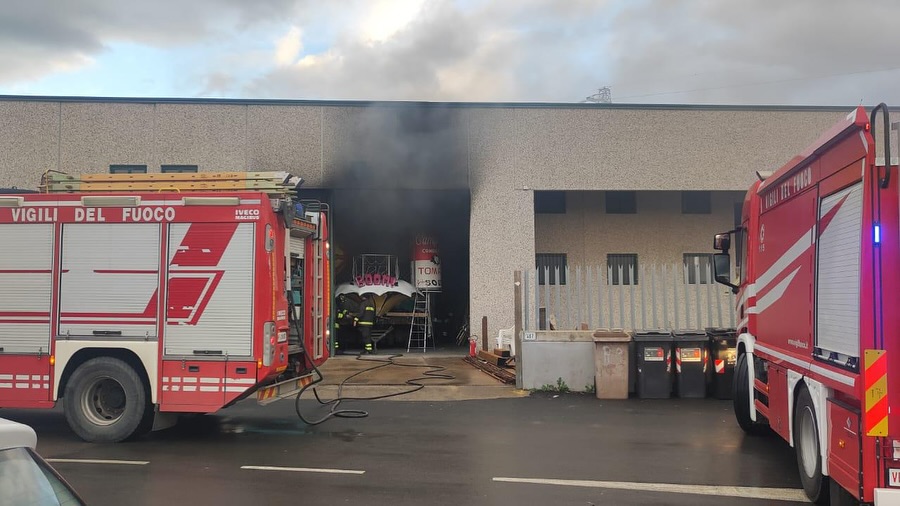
653 356
722 358
690 363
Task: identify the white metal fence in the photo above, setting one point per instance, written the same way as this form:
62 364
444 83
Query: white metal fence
664 296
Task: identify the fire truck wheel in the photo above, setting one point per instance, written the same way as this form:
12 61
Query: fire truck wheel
105 401
741 398
806 442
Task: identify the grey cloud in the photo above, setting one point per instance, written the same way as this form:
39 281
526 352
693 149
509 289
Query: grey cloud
723 49
39 36
522 51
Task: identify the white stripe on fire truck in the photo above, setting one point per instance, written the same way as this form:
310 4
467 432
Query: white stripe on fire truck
211 380
47 385
189 389
240 381
176 379
22 377
787 259
6 376
190 380
5 385
35 377
774 294
235 389
840 378
209 389
22 386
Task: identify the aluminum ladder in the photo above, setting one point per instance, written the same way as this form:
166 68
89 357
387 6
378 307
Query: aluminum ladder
420 329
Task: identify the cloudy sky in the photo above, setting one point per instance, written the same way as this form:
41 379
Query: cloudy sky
828 52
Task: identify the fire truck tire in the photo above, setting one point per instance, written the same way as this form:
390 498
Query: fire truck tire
741 398
105 401
806 443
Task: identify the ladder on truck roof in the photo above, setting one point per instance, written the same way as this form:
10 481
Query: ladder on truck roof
272 183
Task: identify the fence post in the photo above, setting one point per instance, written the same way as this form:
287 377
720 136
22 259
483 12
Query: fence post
588 288
558 299
633 278
665 317
697 292
600 297
609 297
517 337
643 276
653 296
547 298
687 297
621 291
525 314
569 317
709 282
537 300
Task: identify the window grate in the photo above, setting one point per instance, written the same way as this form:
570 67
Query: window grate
694 262
552 261
622 268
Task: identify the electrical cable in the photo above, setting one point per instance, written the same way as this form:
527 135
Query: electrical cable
433 372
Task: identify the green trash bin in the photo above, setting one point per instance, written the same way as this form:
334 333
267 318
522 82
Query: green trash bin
653 356
722 359
690 363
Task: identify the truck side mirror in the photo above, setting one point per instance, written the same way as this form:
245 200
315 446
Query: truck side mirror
722 242
722 270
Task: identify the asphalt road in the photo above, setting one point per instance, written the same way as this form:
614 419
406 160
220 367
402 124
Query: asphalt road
504 451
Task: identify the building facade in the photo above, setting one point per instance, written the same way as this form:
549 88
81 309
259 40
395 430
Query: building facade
587 181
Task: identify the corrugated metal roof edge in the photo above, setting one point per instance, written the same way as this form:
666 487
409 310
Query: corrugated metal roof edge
467 105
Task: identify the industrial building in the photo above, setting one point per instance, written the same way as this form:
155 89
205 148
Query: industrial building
501 186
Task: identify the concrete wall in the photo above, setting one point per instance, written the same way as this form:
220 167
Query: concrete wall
501 152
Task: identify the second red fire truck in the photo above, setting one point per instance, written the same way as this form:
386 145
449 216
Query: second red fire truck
817 298
131 298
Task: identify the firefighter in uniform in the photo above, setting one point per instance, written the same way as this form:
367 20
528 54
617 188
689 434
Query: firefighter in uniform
365 321
345 317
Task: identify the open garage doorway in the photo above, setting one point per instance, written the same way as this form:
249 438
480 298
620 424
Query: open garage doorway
386 223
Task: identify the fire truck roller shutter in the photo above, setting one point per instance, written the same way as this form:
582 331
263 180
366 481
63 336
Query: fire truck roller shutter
109 280
210 286
105 401
25 288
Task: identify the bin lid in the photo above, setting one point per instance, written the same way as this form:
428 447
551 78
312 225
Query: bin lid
652 335
689 335
611 336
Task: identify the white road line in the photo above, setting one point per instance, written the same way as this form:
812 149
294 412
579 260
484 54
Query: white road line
96 461
771 494
303 469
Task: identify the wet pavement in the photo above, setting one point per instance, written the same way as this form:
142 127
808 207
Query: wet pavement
542 449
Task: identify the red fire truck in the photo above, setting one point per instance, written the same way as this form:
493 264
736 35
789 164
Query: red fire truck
132 298
819 333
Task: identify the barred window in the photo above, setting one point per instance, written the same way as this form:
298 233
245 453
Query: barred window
622 268
551 261
694 262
